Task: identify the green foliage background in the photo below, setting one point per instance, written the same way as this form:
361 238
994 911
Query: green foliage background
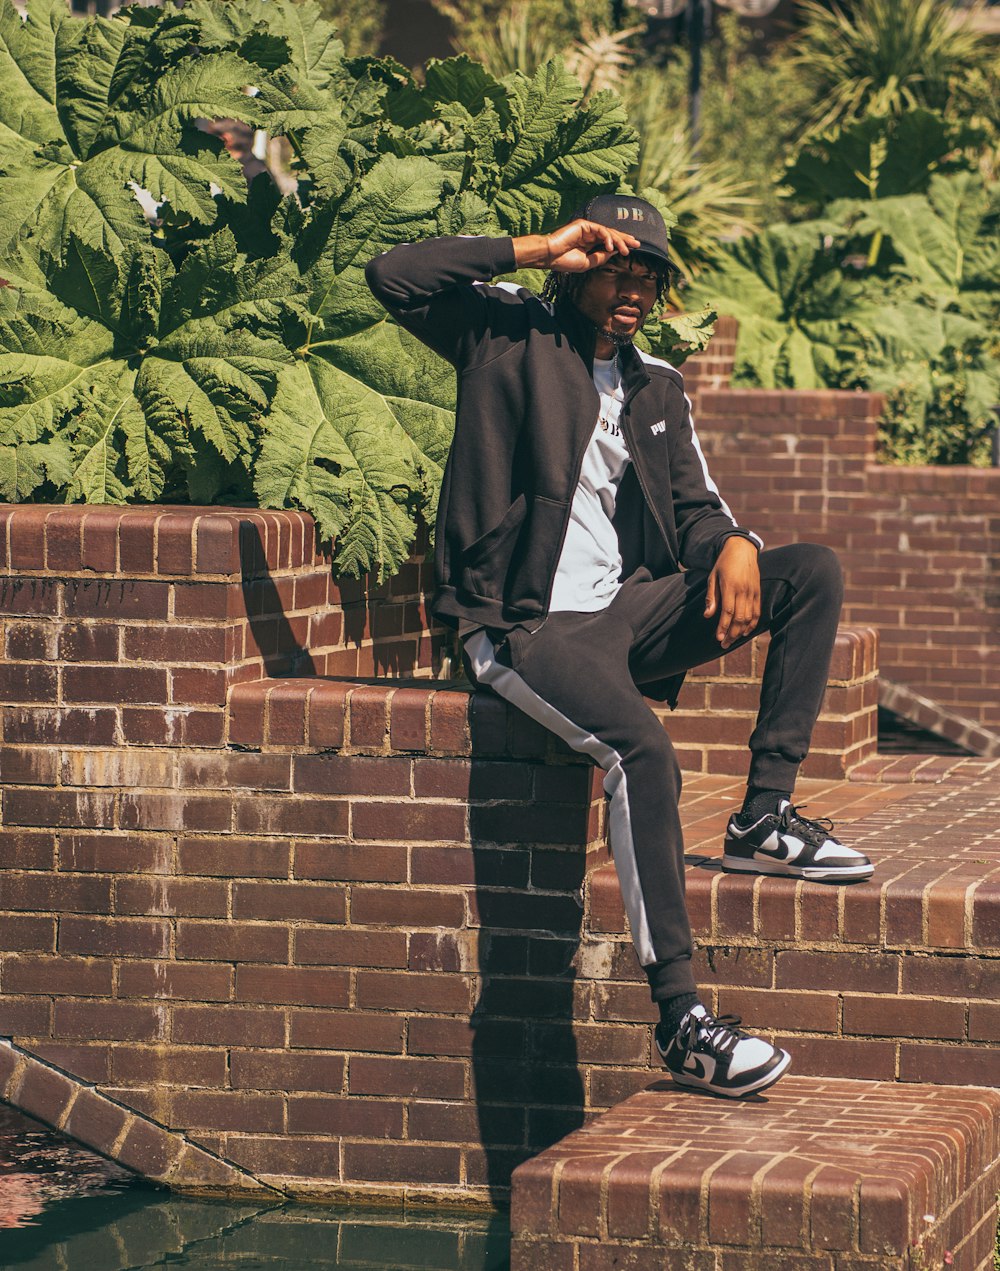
222 345
792 215
230 350
880 269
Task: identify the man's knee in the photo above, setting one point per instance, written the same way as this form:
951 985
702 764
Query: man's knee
816 567
826 571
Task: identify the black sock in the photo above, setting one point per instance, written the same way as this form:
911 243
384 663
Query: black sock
673 1010
760 801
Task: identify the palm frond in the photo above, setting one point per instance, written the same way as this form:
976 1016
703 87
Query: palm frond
710 200
601 58
886 56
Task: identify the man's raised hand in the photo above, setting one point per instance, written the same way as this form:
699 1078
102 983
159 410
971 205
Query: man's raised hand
574 248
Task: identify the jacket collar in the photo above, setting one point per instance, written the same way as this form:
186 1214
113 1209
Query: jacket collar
583 338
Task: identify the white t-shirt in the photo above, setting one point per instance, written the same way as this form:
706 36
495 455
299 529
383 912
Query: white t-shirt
588 575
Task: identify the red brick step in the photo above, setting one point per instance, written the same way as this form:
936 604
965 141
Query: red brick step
819 1173
896 978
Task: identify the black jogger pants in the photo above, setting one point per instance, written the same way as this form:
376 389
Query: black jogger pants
581 676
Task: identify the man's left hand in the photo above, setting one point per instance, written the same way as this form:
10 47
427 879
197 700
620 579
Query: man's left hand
734 591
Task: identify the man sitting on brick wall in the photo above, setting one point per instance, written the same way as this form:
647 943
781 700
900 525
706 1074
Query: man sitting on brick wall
588 561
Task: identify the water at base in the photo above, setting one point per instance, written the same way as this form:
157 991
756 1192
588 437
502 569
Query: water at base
64 1209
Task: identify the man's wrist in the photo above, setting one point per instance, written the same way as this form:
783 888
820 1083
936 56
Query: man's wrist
739 536
531 251
742 536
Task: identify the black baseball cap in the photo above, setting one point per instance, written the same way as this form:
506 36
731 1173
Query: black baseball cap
634 216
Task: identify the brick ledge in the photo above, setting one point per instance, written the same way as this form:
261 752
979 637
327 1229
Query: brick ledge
936 719
56 1098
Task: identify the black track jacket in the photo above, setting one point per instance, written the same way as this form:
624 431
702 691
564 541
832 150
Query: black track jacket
527 408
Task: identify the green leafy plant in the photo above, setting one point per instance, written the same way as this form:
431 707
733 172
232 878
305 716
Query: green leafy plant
522 40
880 156
919 325
935 347
222 345
800 317
524 34
92 110
947 244
887 56
528 146
678 336
931 414
515 41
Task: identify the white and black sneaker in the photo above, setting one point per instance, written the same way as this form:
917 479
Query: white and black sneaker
712 1053
785 842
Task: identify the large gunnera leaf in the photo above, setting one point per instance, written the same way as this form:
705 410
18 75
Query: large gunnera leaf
92 109
360 429
132 374
880 156
531 148
231 348
272 35
948 242
799 317
562 150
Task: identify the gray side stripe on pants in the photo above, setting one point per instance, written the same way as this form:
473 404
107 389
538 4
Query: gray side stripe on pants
510 686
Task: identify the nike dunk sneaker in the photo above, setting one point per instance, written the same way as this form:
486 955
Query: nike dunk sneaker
785 842
712 1053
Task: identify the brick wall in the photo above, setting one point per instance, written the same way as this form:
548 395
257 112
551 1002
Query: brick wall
256 905
335 935
284 955
131 625
920 546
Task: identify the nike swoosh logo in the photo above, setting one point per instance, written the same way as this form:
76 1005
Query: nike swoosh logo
694 1066
786 850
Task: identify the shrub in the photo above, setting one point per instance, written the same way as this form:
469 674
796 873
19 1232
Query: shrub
916 320
888 56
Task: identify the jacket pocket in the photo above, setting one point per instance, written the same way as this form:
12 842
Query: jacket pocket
536 555
485 562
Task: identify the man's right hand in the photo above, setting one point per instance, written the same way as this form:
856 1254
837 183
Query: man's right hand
574 248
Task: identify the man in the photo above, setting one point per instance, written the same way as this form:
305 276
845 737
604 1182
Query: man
588 561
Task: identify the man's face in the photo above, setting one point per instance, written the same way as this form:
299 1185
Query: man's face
618 296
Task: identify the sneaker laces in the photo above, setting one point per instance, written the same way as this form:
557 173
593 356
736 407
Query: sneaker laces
719 1035
814 831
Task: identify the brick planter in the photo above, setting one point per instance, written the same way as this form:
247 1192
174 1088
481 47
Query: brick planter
132 626
358 937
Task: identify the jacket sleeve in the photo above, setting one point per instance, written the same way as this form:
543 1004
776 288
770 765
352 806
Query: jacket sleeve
703 518
429 289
